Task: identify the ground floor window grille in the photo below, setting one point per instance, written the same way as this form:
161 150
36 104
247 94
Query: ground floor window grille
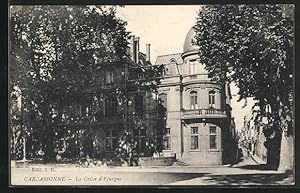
139 136
167 139
111 139
212 137
194 138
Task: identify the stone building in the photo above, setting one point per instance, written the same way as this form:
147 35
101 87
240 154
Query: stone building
133 109
199 122
188 116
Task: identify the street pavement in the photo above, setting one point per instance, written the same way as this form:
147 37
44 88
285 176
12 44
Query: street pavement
245 173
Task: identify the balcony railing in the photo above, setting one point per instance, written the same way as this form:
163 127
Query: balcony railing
203 113
197 77
193 76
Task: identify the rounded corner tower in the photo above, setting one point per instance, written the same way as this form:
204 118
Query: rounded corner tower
202 111
197 121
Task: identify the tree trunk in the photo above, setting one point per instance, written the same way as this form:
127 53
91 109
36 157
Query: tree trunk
49 132
273 136
273 151
49 145
286 153
273 141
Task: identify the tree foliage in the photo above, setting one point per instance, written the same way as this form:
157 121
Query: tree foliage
55 52
253 47
57 57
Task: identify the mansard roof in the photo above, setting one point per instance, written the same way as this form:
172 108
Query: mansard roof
165 59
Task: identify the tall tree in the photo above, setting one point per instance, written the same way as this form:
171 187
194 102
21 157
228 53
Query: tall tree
57 54
253 47
54 54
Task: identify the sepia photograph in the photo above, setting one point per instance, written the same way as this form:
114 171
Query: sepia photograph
151 95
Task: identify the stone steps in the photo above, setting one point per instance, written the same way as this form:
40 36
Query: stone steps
180 163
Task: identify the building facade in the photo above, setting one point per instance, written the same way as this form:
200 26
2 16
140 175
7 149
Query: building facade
189 115
122 104
199 122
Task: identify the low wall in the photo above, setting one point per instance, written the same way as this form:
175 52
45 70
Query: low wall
156 161
20 163
203 158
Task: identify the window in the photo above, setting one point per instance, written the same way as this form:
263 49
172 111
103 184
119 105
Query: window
167 139
138 101
212 137
139 136
76 111
165 71
84 108
109 76
111 139
72 112
194 102
194 138
140 76
131 74
162 100
201 68
211 98
111 106
193 66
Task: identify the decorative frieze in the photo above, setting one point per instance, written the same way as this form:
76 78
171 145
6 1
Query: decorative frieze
163 89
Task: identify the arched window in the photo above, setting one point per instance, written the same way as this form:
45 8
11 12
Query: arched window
211 99
194 100
111 106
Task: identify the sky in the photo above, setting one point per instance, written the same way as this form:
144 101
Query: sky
165 28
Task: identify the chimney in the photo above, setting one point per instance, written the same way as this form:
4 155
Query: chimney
148 52
137 49
132 48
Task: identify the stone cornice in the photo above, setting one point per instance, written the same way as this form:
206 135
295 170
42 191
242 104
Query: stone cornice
189 53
